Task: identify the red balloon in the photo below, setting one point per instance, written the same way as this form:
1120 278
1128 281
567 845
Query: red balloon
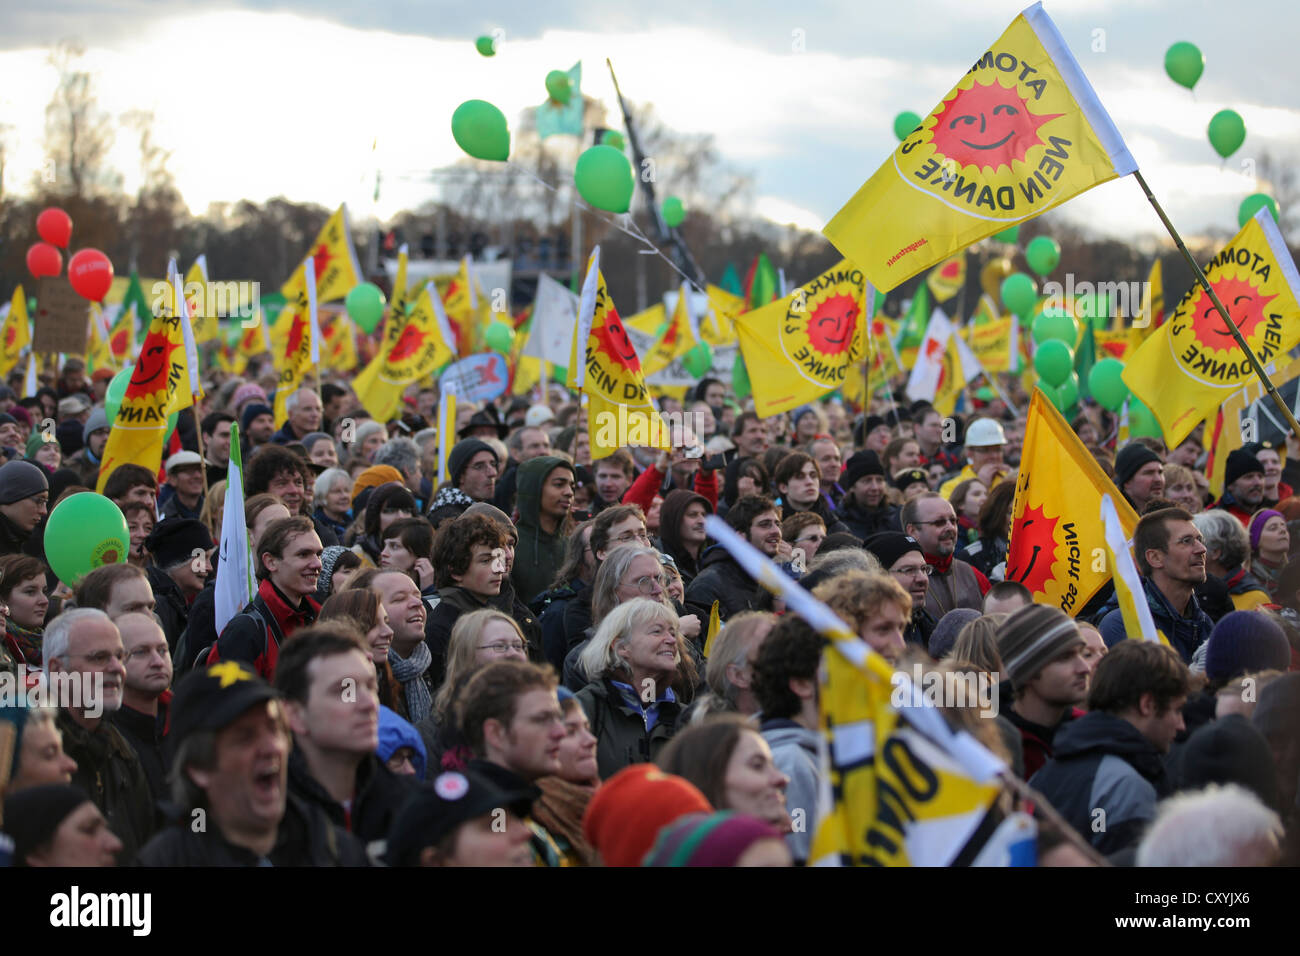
44 260
55 227
91 274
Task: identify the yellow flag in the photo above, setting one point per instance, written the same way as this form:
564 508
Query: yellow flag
800 348
409 352
121 338
718 327
339 350
608 372
333 260
159 386
1133 607
16 334
461 299
1190 366
99 350
1020 133
200 302
1055 534
302 346
715 625
677 339
650 321
1152 314
446 432
991 343
947 278
401 294
254 339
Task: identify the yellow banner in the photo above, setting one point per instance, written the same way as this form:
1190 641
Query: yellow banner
16 333
337 270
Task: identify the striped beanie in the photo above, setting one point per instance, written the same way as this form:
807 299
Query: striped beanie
1031 637
708 839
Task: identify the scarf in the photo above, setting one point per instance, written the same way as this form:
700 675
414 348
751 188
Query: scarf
26 643
560 811
409 672
940 565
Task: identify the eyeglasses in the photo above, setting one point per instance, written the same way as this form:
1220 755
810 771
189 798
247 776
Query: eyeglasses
503 647
922 569
100 658
627 537
939 522
650 582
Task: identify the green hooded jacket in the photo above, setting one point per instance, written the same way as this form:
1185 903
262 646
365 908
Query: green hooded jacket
538 555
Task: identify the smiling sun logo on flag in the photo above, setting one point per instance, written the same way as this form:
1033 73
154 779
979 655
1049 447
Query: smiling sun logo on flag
986 125
822 329
1030 562
1246 304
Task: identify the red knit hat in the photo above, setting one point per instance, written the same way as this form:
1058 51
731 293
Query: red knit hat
626 814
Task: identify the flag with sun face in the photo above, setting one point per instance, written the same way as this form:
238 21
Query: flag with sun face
334 260
254 339
411 350
16 333
1021 132
800 348
339 348
1190 366
1058 545
676 340
196 295
159 385
302 345
121 337
608 371
946 279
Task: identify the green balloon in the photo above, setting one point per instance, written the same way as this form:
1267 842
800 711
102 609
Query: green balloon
674 212
172 419
740 378
114 393
1227 132
1054 362
604 178
1141 422
1106 384
1184 63
500 337
1019 293
1055 323
365 304
1043 254
1253 204
1093 307
613 137
1067 394
1011 235
31 305
479 128
559 374
699 359
486 46
984 394
558 87
904 123
84 532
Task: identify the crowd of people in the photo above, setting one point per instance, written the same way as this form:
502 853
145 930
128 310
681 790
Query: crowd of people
513 666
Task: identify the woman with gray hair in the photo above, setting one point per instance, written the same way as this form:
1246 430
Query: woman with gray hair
1227 548
641 678
729 672
332 498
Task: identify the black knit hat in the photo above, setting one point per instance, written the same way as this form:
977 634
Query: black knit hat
1031 637
1240 463
19 480
1245 641
944 635
214 697
460 456
1228 750
889 546
860 465
33 814
433 811
174 540
910 476
1130 460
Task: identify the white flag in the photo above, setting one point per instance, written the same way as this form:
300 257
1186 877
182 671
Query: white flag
555 312
235 587
924 381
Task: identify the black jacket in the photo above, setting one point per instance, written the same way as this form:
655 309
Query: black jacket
170 606
864 522
550 608
721 579
379 794
1102 762
306 838
577 617
12 540
144 733
110 773
621 737
200 632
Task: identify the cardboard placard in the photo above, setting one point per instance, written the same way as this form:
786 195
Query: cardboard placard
62 319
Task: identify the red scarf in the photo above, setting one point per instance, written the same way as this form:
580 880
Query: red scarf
940 565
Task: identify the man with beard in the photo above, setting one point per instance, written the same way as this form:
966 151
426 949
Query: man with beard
900 555
1243 484
865 510
472 469
83 661
142 718
1042 652
288 567
954 583
1170 555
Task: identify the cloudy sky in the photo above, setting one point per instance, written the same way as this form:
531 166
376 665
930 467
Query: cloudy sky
308 99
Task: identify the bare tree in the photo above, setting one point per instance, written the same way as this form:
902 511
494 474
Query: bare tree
78 134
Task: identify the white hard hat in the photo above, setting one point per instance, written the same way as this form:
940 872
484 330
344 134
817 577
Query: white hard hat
538 415
984 433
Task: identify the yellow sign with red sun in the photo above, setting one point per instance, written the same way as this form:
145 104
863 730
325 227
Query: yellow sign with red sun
799 348
1021 132
1188 367
1058 545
